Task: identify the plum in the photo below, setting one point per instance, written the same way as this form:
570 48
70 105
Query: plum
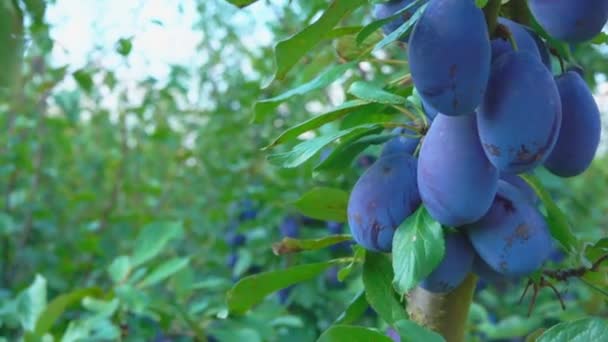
512 238
383 197
384 10
335 228
248 210
232 259
450 55
572 21
523 39
579 135
522 186
393 334
429 110
520 116
331 278
545 55
290 227
485 272
454 267
365 161
406 143
457 183
236 239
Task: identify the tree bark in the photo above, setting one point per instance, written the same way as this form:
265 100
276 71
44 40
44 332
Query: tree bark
445 313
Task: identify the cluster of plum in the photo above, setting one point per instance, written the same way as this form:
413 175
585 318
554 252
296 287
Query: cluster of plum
496 111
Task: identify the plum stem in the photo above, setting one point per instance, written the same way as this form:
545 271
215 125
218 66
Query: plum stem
446 313
491 13
503 32
518 11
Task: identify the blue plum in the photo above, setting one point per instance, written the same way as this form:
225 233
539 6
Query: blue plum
335 228
457 182
579 135
331 278
522 186
365 161
429 110
450 55
387 9
247 210
405 144
485 272
523 39
571 20
545 55
232 259
236 239
283 294
520 116
453 269
383 197
393 334
290 227
512 238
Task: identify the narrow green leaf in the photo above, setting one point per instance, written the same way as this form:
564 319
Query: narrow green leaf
377 24
481 3
371 92
323 203
358 256
12 42
241 3
355 309
153 238
558 222
289 245
264 108
401 30
305 150
119 268
377 279
342 156
163 271
319 121
411 332
288 52
31 302
418 248
351 333
56 308
251 290
582 330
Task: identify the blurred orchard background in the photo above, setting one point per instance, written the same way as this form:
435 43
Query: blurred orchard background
135 190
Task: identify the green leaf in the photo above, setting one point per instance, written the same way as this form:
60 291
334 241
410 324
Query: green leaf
241 3
355 309
411 332
163 271
289 245
288 52
251 290
305 150
264 108
56 308
119 268
319 121
31 302
601 38
358 256
371 92
401 30
418 248
11 40
342 156
582 330
377 24
350 333
557 220
153 238
377 279
84 80
323 203
124 46
481 3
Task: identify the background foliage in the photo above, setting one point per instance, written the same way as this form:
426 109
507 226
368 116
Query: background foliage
119 198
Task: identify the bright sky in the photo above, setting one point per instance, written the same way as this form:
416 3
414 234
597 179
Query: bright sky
162 30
